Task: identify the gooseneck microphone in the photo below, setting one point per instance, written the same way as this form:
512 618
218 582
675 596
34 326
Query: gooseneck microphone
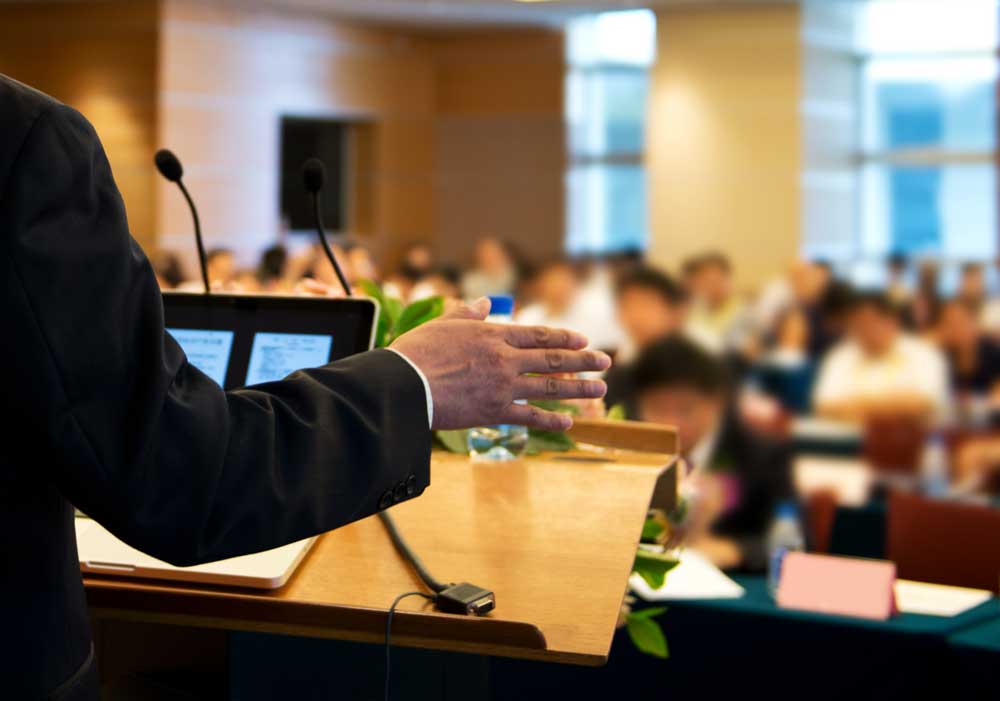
313 177
170 168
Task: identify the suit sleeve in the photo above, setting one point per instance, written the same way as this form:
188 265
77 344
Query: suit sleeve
137 437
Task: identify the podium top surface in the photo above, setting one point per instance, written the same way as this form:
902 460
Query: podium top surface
554 537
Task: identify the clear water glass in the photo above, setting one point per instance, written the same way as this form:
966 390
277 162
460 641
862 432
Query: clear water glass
498 443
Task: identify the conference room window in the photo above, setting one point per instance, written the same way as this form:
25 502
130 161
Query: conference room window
900 152
928 129
607 89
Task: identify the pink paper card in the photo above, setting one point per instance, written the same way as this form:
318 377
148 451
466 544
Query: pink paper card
843 586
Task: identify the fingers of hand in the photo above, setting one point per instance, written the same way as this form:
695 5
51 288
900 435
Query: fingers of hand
533 417
478 310
555 360
555 388
543 337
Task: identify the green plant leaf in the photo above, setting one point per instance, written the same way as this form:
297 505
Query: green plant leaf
393 310
647 635
556 405
653 567
383 326
454 441
372 290
652 529
548 441
616 413
418 313
651 612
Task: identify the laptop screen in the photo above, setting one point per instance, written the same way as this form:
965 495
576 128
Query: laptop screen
242 340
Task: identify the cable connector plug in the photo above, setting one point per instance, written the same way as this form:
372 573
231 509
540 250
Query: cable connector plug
465 599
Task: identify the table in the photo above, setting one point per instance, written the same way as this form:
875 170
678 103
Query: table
976 658
554 537
721 648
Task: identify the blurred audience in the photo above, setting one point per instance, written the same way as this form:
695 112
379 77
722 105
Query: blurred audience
417 263
807 343
972 287
923 307
650 306
168 270
973 357
495 271
878 368
272 269
739 477
897 287
444 280
717 318
553 290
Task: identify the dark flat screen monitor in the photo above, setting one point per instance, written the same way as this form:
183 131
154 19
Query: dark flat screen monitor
241 340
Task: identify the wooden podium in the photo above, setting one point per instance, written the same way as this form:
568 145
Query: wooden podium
553 536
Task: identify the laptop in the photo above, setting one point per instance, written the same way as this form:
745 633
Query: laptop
240 340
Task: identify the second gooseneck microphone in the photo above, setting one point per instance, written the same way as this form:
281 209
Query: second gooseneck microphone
313 177
170 168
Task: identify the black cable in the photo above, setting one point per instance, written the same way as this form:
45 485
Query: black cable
388 632
326 246
404 550
197 237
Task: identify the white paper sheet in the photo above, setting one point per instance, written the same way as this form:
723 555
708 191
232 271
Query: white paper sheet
937 599
694 578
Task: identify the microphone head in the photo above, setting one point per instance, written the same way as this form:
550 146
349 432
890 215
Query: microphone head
168 165
314 175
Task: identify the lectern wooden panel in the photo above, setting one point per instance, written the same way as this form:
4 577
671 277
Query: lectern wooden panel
554 537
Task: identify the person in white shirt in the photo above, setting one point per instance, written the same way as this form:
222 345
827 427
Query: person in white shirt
879 369
718 319
554 289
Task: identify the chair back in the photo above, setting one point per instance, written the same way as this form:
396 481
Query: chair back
944 542
894 442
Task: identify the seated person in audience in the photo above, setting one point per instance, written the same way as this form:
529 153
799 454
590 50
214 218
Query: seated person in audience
649 306
594 307
923 307
443 281
553 289
819 297
361 263
977 465
417 263
897 289
971 289
220 264
717 318
787 369
272 269
495 271
973 357
738 477
168 269
989 314
879 369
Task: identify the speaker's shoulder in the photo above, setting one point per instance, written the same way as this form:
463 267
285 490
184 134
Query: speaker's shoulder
20 108
21 104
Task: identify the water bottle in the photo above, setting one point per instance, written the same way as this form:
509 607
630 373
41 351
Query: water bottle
506 441
934 466
785 536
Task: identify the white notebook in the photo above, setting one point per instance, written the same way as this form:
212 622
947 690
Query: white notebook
694 578
102 553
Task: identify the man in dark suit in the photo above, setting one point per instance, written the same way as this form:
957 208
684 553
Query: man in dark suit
102 410
738 478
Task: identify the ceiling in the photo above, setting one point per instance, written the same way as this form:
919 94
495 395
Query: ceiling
466 12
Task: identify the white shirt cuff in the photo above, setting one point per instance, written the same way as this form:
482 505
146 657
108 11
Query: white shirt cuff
427 387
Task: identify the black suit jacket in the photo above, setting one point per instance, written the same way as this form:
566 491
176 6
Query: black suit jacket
760 471
102 410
